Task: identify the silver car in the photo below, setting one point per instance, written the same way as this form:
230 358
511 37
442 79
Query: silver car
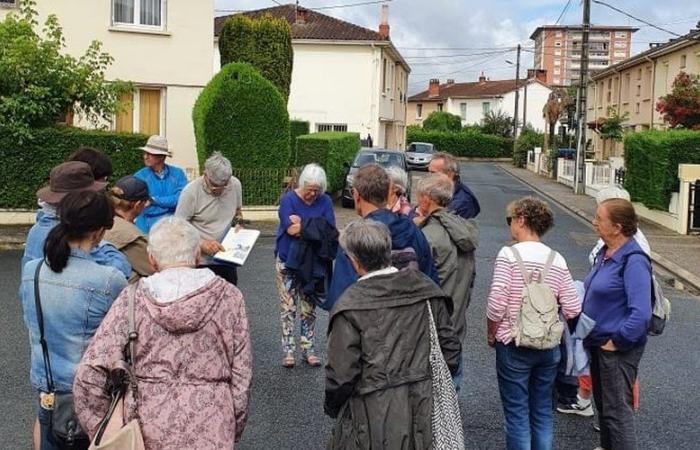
419 155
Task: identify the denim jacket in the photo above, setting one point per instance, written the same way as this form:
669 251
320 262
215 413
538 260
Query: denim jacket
104 254
74 302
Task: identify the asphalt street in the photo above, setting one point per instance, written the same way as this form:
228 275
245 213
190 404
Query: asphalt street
286 410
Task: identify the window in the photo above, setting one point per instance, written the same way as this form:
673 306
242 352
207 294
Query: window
321 127
557 71
557 44
620 55
639 90
556 81
140 112
384 75
557 52
463 111
639 74
621 34
557 33
8 3
636 108
684 61
557 62
486 107
147 13
439 107
619 44
419 111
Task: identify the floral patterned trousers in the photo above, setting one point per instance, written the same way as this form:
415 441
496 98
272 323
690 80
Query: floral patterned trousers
290 300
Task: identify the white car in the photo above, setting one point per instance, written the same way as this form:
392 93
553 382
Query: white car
419 155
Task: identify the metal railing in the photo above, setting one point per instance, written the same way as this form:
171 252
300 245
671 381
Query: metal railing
620 176
263 187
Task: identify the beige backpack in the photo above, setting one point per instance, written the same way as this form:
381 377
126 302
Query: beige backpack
537 325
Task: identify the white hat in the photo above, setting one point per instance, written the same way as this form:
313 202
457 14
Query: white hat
157 145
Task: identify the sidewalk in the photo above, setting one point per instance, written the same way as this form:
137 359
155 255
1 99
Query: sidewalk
675 253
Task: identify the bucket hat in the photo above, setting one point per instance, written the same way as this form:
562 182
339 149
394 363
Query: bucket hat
69 177
157 145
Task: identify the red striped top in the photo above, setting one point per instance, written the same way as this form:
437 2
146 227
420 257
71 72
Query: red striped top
505 297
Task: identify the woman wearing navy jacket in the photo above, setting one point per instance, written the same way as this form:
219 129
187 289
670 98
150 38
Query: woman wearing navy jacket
618 299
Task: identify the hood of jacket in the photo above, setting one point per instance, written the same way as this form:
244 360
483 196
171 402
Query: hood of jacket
463 232
190 312
400 227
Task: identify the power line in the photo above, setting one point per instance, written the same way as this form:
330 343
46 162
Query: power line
563 12
351 5
464 69
636 18
458 55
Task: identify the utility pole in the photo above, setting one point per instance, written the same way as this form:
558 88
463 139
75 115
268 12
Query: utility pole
580 173
517 96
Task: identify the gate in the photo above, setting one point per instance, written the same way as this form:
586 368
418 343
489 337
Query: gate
694 208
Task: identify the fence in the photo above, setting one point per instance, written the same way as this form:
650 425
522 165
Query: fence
263 186
600 174
565 171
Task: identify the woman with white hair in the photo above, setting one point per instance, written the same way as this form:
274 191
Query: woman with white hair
303 212
192 360
398 201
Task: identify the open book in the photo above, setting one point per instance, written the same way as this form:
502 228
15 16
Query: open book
238 245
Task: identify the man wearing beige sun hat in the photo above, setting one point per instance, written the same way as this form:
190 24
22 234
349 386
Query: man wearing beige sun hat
165 182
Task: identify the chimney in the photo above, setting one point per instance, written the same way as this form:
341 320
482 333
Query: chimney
434 88
301 15
450 81
482 78
384 24
537 74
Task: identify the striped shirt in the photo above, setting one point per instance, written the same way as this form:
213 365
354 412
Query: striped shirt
505 298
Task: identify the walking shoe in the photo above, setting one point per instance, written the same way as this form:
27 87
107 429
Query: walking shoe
288 361
581 407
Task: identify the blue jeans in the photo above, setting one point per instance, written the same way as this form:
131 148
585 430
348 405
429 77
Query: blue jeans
526 383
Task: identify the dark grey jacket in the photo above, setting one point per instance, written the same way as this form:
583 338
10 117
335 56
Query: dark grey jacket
378 380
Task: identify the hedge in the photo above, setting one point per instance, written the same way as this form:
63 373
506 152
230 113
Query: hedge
442 121
651 163
527 141
296 128
330 150
243 116
467 143
25 167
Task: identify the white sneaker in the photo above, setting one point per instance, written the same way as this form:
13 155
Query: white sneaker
581 407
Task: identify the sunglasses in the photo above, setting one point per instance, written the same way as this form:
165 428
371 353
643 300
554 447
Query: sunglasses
509 220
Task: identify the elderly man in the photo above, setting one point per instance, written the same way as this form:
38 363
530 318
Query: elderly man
212 204
464 202
409 247
165 182
379 347
453 241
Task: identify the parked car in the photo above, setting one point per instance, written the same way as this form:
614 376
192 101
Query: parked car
419 155
382 156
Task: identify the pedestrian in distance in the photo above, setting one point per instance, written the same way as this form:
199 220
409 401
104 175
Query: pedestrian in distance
618 299
212 204
65 295
464 203
383 399
192 361
130 197
305 214
398 201
165 182
453 242
531 287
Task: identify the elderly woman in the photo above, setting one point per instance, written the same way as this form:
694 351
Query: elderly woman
75 293
618 298
398 201
130 197
453 242
526 375
302 210
193 362
383 399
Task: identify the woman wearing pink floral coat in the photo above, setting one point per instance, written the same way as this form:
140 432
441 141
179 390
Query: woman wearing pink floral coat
193 360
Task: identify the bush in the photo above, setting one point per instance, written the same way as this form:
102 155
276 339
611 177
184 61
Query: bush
528 140
652 159
242 115
442 121
465 143
264 43
26 166
296 128
330 150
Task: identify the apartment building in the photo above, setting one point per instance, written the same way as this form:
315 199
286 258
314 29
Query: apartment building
558 50
634 86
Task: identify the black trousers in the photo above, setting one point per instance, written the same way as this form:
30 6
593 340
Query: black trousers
225 271
614 374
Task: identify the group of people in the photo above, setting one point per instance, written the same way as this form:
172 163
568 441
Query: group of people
129 273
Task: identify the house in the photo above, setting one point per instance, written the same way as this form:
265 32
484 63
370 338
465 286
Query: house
472 101
163 47
633 87
345 77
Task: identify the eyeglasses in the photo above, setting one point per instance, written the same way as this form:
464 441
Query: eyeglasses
509 220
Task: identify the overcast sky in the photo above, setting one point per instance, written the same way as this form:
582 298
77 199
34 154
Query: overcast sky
473 36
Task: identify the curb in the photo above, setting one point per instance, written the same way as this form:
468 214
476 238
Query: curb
683 276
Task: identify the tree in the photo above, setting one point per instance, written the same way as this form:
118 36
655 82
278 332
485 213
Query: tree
528 140
611 128
39 84
498 123
681 108
554 108
264 43
442 121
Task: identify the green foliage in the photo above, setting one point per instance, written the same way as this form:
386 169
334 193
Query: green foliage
652 159
25 167
330 150
681 107
243 116
442 121
528 140
465 143
611 129
296 128
264 43
39 84
497 123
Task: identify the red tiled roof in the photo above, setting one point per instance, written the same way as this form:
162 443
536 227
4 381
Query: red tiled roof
317 26
470 90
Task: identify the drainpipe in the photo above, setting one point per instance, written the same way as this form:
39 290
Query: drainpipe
653 89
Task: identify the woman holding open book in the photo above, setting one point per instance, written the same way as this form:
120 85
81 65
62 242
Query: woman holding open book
306 215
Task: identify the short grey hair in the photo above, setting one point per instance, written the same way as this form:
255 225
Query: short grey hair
451 163
398 177
314 175
174 241
438 187
218 169
610 193
368 242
